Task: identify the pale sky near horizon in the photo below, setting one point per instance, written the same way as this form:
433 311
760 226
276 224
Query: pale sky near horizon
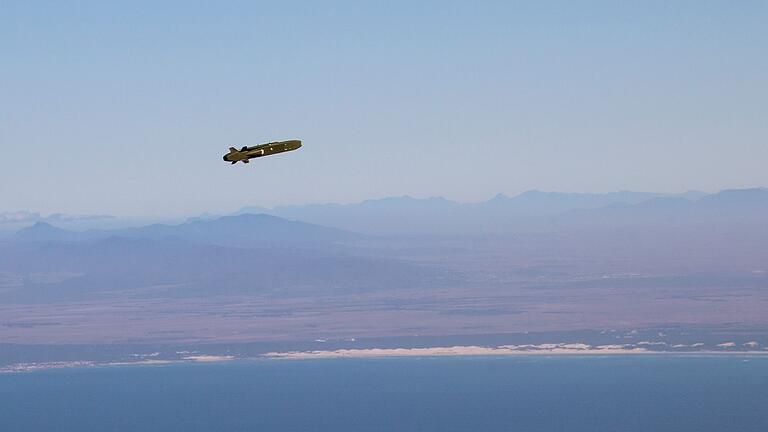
126 108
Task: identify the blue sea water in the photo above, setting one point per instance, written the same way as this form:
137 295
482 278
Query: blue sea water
628 393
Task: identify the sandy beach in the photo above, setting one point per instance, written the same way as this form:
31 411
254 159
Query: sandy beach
515 350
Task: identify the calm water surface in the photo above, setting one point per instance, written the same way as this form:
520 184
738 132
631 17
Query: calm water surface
640 393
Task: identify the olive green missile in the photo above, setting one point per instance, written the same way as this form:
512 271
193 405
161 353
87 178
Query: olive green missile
247 153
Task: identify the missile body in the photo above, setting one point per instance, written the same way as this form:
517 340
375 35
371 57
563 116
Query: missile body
247 153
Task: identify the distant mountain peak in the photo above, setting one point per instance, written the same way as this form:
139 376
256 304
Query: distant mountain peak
42 231
41 226
740 197
534 192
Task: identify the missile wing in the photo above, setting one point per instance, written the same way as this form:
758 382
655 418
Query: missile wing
247 153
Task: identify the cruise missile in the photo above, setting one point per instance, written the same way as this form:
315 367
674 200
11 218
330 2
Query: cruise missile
247 153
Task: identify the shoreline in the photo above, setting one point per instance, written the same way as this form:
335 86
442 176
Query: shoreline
545 350
500 351
87 364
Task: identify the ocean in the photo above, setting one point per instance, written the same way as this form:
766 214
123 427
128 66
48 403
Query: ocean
574 394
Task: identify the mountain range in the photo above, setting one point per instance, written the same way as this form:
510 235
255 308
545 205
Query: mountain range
321 225
245 230
532 211
406 254
232 255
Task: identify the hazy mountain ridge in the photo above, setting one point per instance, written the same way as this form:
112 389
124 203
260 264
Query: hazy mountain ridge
725 210
642 261
246 230
532 211
253 254
268 254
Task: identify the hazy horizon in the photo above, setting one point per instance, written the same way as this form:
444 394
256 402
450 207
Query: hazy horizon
62 217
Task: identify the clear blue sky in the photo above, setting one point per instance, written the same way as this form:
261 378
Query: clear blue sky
127 107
